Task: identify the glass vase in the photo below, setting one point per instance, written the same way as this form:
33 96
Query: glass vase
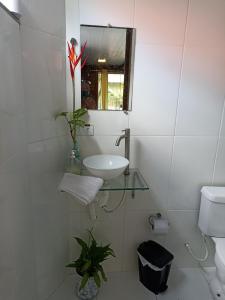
89 291
74 160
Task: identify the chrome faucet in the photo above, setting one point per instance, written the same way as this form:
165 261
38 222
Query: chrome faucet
125 136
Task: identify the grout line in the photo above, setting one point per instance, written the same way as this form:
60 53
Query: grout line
47 139
218 142
134 9
176 114
159 44
181 67
40 30
152 135
56 289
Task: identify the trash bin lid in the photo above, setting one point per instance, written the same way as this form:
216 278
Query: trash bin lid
155 253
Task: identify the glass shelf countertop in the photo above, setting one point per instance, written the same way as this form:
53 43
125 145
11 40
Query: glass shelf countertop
131 182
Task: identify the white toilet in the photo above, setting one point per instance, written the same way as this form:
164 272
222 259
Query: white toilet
212 223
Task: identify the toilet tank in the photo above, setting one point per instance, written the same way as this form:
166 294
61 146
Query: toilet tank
212 211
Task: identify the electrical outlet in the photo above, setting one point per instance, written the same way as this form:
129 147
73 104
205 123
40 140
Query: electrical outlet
87 130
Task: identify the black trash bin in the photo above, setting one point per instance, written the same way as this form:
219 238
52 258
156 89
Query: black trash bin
154 266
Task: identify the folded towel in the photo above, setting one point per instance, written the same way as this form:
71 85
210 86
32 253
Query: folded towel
84 188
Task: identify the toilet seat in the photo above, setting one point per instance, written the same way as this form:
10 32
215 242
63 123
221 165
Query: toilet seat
220 249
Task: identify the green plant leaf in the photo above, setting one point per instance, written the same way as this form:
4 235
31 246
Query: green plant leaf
82 243
111 252
84 281
97 279
71 265
102 273
61 114
86 266
80 112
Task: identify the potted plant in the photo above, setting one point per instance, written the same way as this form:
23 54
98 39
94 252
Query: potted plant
89 266
74 119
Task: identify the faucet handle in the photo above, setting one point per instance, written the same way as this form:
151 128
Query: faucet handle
127 131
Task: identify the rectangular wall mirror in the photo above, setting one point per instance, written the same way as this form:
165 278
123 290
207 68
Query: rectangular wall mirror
106 78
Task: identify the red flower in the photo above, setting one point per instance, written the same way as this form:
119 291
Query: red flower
74 59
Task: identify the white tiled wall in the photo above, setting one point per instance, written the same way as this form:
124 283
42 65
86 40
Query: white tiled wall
17 262
33 146
176 122
43 57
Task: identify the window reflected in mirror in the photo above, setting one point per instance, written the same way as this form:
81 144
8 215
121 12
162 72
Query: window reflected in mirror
106 77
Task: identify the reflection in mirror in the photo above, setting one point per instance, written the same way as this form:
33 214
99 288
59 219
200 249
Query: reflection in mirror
106 78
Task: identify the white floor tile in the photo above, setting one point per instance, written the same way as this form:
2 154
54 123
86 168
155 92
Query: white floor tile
66 291
124 286
184 284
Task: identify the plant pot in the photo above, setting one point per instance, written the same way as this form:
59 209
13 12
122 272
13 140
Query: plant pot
90 290
74 160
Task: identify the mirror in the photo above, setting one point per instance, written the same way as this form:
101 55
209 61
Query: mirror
106 77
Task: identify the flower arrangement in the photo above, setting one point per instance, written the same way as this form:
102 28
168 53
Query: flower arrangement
74 119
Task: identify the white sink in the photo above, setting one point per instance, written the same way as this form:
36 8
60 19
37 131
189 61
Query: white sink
106 166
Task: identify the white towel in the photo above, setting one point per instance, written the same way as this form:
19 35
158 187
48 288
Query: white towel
84 188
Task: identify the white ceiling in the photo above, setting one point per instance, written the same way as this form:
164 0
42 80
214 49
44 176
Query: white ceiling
104 42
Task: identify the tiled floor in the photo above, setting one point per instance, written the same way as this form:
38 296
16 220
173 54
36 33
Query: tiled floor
184 284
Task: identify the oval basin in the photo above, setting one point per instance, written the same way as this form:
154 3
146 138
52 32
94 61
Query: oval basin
106 166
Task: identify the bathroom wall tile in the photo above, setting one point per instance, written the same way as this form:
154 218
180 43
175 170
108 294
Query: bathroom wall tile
46 167
202 91
17 263
17 247
116 13
45 89
74 205
12 127
49 213
222 130
184 228
100 144
192 167
75 230
8 279
44 74
12 99
156 83
33 217
12 119
118 118
152 155
137 230
219 174
51 245
160 22
206 23
43 15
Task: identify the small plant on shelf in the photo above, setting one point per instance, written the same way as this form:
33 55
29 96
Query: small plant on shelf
89 266
74 119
